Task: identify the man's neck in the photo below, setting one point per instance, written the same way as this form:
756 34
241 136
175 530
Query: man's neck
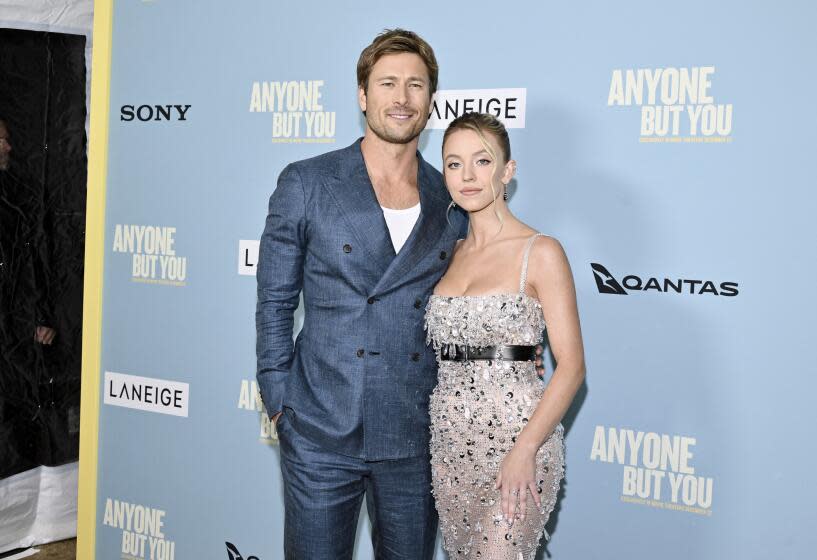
392 163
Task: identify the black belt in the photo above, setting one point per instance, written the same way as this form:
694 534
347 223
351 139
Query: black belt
512 353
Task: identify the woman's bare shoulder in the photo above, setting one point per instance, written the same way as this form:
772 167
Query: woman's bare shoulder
547 252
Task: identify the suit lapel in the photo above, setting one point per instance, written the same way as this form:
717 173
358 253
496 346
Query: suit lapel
427 230
353 193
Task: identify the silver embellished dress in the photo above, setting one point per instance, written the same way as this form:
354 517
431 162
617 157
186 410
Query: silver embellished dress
477 410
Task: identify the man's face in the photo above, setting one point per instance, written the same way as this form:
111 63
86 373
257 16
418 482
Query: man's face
398 98
5 147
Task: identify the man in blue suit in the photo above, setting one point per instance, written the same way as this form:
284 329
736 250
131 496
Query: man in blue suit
365 233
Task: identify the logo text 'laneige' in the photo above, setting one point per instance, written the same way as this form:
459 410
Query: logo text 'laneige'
146 393
248 256
508 105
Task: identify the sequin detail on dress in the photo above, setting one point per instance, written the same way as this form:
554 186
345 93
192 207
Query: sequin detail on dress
477 410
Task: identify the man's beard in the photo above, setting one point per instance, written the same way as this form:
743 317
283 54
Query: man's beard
398 137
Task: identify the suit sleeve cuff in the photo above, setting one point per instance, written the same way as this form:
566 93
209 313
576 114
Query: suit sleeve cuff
271 386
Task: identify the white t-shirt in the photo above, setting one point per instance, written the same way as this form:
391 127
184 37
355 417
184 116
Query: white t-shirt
400 224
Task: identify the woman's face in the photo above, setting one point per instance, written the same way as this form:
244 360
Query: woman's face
470 170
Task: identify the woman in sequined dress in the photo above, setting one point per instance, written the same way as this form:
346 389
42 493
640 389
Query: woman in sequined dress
496 439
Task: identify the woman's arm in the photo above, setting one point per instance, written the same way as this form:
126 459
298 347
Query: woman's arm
550 276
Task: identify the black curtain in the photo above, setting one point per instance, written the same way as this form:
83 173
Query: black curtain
42 233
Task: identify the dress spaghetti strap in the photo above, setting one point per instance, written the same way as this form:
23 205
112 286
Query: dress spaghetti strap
523 277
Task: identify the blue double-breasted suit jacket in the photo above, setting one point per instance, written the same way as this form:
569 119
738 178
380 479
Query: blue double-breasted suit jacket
357 379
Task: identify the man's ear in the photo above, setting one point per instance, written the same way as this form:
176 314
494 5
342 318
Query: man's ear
361 98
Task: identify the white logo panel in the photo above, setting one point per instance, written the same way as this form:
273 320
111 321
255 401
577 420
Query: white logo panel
508 105
247 256
146 393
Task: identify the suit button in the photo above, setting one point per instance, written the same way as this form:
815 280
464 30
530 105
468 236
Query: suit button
443 255
418 303
415 357
371 300
347 248
360 352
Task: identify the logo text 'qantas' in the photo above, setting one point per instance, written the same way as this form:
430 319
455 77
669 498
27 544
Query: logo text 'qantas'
608 284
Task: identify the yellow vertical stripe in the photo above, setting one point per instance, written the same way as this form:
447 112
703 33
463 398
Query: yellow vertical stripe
94 261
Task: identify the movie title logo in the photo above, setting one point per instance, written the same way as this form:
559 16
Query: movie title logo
298 115
153 113
249 398
508 105
146 393
143 531
248 256
153 254
677 104
657 469
608 284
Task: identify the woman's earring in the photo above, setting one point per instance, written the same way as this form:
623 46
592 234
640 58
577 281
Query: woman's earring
505 193
448 211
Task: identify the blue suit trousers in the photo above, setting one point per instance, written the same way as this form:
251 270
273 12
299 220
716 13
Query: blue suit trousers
323 492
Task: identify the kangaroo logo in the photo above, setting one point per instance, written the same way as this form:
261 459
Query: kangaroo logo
605 281
234 554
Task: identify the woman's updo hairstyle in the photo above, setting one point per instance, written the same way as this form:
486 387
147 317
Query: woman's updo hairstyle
482 123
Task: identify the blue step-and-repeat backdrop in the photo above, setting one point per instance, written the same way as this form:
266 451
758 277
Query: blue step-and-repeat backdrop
671 149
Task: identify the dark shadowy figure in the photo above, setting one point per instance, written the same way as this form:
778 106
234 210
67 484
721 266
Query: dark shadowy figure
28 336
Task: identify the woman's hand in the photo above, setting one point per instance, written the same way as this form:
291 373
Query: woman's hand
515 481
